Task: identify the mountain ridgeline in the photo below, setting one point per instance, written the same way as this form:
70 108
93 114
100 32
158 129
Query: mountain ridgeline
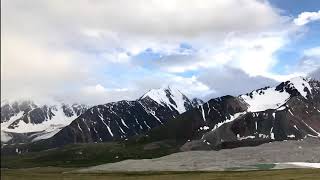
26 121
124 119
289 111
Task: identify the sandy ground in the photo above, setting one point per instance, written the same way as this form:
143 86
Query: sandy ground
307 150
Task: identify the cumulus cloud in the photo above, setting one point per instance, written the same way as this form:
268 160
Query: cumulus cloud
252 54
30 70
230 81
165 18
62 49
310 61
315 74
136 87
306 64
307 17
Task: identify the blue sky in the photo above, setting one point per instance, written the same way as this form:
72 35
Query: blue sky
293 52
295 7
101 51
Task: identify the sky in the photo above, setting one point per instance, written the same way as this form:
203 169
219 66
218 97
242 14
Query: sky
101 51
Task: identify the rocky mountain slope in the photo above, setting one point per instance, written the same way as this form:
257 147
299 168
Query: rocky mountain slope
25 121
124 119
290 110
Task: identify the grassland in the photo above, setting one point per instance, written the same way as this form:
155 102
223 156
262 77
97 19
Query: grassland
84 155
50 173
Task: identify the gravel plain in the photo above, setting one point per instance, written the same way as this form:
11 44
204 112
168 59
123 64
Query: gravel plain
306 150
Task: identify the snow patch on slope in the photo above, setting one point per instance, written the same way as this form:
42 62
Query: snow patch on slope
202 112
43 130
270 98
232 118
4 126
300 84
5 137
58 120
262 100
303 164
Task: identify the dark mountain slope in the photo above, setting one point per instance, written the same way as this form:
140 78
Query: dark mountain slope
289 111
124 119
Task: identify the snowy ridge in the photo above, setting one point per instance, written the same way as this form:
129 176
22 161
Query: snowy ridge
170 97
262 100
124 119
300 84
41 122
272 97
58 120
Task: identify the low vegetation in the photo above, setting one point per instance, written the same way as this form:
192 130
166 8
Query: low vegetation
66 174
84 155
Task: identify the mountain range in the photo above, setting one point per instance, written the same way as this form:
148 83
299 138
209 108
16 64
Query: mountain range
288 111
25 121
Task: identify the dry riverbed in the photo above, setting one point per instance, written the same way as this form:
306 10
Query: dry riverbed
266 156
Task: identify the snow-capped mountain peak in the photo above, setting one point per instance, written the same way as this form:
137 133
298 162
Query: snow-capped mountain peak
170 97
266 98
301 84
274 97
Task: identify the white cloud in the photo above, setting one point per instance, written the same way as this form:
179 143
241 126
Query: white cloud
315 74
31 70
135 88
254 54
315 51
59 48
230 81
307 17
135 26
191 86
169 18
310 61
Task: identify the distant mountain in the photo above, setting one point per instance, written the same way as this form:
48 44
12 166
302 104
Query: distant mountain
25 121
290 110
124 119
